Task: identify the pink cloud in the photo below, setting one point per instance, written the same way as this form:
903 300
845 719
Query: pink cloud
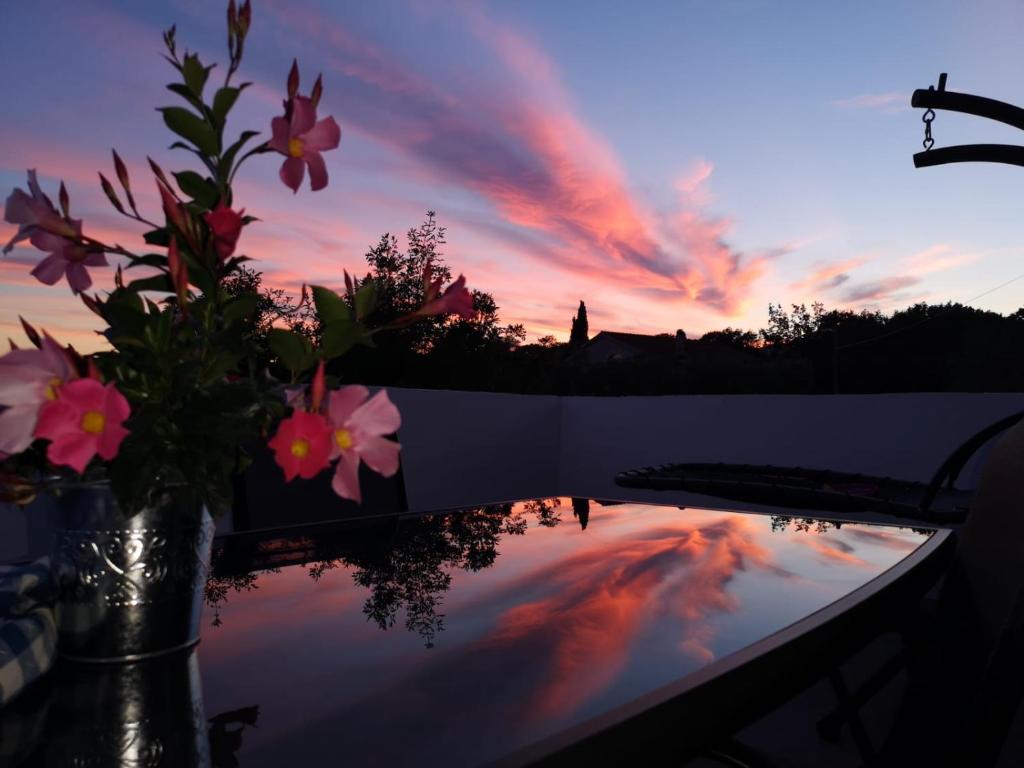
532 158
830 551
893 101
692 186
939 258
825 277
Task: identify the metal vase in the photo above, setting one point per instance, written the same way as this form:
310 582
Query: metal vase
131 588
146 714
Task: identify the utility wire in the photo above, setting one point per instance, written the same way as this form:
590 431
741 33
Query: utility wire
932 317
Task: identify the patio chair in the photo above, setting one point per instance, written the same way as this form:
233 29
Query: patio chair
966 676
964 659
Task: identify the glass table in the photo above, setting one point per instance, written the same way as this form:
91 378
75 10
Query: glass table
549 630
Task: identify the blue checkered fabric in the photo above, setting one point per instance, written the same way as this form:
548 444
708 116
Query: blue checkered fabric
28 632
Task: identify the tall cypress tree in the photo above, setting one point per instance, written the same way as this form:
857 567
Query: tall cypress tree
579 334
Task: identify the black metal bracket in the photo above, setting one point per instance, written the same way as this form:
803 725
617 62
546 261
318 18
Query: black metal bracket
951 101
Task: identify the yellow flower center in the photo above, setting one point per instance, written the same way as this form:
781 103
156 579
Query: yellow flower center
295 145
93 422
51 388
300 448
343 439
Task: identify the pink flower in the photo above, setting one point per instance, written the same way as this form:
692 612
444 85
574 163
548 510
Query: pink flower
301 139
85 419
359 425
60 236
66 258
302 445
28 379
456 300
33 212
226 226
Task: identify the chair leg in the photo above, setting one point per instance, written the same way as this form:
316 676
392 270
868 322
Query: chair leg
830 725
849 713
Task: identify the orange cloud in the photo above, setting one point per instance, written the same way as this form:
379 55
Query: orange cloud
609 593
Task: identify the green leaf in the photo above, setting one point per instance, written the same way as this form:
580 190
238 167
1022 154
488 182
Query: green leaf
195 74
202 191
223 100
240 306
191 128
148 260
159 282
329 305
341 335
185 93
228 158
159 237
294 351
366 299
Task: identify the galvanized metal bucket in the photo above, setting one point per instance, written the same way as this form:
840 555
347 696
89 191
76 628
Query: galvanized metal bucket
140 715
131 588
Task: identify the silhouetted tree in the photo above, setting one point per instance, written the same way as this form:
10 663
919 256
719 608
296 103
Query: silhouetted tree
580 332
732 337
581 511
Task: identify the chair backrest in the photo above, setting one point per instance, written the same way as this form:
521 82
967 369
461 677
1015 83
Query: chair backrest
981 611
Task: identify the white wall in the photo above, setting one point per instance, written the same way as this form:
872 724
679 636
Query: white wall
464 448
904 436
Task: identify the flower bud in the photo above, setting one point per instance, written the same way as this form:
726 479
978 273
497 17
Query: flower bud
171 208
317 389
293 80
178 269
108 190
122 176
32 333
245 18
318 89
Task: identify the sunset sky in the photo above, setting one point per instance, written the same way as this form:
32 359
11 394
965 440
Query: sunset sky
674 164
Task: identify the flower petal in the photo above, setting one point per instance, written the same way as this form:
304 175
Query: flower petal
346 477
303 115
317 170
380 455
110 440
50 270
73 451
22 384
279 141
292 171
116 406
20 208
344 401
377 416
17 426
57 419
325 135
95 259
78 277
57 360
85 395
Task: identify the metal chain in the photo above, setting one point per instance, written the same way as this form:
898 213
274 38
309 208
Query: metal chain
928 116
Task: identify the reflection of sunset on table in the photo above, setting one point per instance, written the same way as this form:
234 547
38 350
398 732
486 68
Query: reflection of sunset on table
565 625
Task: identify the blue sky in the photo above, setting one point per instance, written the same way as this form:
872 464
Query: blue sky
675 164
